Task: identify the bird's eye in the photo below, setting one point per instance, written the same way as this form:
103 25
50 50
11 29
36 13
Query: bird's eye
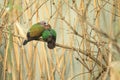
46 24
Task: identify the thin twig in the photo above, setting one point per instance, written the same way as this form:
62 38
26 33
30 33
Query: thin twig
23 12
3 9
37 9
81 74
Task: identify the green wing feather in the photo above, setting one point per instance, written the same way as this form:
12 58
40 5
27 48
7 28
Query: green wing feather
36 30
45 34
48 33
53 32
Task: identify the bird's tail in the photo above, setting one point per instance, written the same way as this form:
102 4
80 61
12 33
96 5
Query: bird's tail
51 44
25 42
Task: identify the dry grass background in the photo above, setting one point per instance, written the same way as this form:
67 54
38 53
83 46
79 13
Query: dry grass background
87 45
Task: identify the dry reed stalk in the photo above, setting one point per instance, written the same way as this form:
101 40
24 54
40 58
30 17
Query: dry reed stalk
60 61
30 48
23 62
72 40
1 36
15 59
5 61
16 47
88 62
97 36
83 41
34 63
40 67
111 32
64 61
13 67
3 11
16 51
62 65
51 66
46 65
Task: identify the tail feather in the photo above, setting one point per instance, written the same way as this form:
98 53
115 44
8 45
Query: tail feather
25 42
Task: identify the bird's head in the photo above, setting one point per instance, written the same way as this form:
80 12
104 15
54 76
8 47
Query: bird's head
45 24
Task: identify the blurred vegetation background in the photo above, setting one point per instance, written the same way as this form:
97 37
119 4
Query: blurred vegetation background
88 40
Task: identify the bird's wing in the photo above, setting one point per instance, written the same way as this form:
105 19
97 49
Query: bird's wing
53 32
48 33
45 34
36 30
